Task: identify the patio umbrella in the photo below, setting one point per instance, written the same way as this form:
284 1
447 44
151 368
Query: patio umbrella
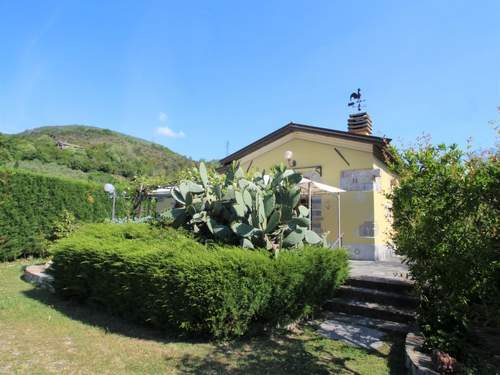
316 188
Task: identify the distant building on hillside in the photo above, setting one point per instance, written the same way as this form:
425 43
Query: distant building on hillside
64 145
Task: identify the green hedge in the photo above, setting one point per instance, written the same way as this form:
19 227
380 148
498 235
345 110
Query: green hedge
162 277
31 204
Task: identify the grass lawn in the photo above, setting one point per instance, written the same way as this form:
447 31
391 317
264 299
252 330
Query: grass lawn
42 334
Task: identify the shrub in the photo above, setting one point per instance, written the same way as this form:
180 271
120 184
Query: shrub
63 226
165 278
446 219
302 280
31 206
258 212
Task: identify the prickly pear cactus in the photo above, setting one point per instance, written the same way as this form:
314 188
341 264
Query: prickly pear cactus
261 211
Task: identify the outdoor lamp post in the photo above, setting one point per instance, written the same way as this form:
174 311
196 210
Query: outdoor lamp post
109 188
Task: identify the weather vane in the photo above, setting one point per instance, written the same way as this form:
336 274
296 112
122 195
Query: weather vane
355 101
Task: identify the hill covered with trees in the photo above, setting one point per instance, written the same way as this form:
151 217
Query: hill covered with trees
89 153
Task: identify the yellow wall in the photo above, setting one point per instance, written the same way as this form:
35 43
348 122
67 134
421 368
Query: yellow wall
357 207
383 205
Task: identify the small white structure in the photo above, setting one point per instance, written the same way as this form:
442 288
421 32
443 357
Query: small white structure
164 198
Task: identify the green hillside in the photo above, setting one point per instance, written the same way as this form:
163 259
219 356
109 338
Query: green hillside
88 153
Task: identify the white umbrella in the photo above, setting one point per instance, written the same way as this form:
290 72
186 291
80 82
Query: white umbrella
316 188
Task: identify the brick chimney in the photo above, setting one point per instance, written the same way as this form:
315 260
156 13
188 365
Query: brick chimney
360 123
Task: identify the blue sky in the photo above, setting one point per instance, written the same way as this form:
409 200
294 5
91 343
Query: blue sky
193 75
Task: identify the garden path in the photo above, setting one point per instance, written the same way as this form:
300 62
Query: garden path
392 270
375 301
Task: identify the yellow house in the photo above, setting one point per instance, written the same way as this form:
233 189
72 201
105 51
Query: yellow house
352 160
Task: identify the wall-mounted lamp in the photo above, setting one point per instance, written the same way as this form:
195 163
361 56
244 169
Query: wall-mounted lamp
289 158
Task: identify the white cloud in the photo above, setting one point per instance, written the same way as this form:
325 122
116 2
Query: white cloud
167 132
162 117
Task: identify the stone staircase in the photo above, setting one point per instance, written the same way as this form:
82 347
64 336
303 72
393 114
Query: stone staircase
373 303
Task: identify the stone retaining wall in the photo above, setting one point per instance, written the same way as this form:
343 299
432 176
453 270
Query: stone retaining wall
36 275
417 362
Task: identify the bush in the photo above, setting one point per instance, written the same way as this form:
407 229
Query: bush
63 226
31 206
446 219
302 280
165 278
263 211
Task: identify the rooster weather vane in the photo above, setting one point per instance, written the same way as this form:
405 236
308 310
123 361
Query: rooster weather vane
355 101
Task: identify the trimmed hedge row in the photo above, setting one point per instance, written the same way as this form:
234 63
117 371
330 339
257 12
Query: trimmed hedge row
31 204
164 278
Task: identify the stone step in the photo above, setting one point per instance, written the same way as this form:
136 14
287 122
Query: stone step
387 326
375 295
352 334
370 310
382 284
